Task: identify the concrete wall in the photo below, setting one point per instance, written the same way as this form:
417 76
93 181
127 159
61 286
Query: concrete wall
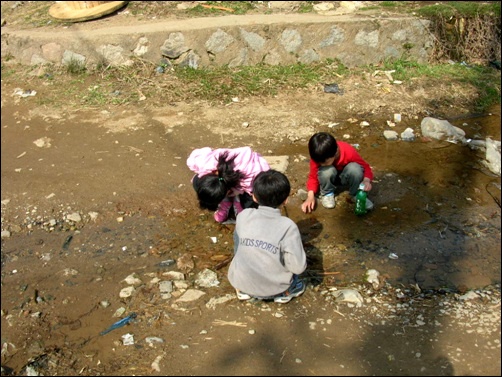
232 40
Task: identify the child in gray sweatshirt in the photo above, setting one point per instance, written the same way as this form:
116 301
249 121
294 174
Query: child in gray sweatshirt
268 249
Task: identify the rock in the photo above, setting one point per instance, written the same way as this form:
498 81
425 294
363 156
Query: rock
127 292
390 135
279 163
133 279
185 263
321 7
493 155
372 278
75 216
207 278
408 135
441 130
211 304
43 142
174 275
191 295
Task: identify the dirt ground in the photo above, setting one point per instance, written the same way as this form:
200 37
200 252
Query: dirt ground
95 200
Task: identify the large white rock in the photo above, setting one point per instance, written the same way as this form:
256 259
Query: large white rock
441 130
279 163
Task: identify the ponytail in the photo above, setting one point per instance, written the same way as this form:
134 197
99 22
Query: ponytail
226 172
212 189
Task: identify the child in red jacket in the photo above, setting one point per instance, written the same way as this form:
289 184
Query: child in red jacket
332 164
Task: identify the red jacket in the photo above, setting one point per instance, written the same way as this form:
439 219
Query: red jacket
347 154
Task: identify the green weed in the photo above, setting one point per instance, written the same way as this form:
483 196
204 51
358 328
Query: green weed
95 96
121 85
223 83
389 4
307 7
218 8
485 79
75 67
7 72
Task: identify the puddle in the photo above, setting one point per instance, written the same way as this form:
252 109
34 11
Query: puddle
435 227
435 208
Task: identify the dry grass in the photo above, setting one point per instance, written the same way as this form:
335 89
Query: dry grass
473 39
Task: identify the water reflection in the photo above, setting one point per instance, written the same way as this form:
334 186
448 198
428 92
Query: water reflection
437 209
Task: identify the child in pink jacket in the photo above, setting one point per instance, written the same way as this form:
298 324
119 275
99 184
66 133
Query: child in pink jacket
224 178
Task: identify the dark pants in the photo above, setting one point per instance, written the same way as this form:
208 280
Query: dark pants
247 201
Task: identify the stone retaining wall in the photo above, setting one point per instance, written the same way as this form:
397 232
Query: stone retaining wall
231 40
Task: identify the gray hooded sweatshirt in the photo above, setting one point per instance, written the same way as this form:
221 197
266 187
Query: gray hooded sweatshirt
268 251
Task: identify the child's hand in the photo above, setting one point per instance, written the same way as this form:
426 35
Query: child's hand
367 184
309 204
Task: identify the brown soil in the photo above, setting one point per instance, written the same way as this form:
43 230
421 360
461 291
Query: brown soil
436 207
29 14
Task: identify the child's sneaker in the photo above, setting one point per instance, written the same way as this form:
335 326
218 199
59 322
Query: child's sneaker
221 213
296 291
328 201
242 295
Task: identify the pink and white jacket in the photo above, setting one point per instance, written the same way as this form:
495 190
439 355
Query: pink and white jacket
204 161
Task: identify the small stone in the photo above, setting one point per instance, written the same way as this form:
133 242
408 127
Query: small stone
126 292
75 216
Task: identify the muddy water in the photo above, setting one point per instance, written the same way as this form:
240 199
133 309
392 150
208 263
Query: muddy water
437 213
434 209
437 208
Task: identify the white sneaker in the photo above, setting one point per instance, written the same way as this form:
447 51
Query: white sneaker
242 295
328 201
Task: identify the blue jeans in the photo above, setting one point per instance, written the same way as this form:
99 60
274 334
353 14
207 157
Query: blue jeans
349 178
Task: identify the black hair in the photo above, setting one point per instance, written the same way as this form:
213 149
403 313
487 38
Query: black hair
212 188
271 188
322 146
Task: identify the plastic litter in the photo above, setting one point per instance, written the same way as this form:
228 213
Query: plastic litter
128 339
119 324
166 263
24 93
349 295
67 241
333 88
